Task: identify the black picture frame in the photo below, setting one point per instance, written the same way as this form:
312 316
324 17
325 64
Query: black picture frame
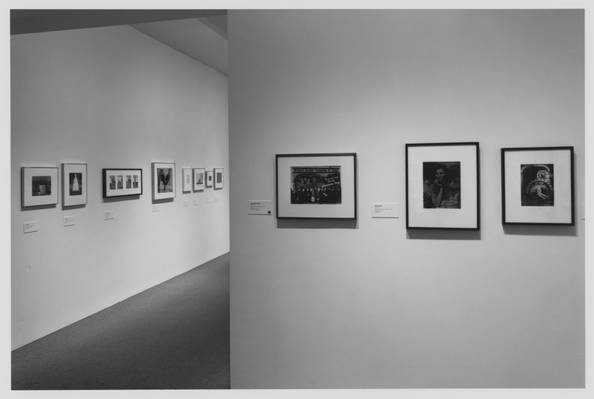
462 211
342 206
121 192
554 204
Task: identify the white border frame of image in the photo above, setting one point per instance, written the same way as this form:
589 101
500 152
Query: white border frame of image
562 213
465 218
347 210
214 178
67 200
198 187
26 200
211 173
162 196
188 189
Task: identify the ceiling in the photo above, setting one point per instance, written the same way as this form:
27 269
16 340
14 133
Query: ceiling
200 34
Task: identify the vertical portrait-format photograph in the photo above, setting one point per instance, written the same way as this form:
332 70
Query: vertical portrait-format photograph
441 185
164 180
186 180
218 178
128 181
39 186
537 185
120 180
112 182
74 178
315 185
209 178
199 179
135 181
163 174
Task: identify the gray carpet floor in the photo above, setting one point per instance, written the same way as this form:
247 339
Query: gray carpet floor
172 336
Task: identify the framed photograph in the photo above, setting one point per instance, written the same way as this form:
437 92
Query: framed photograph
121 182
39 186
199 179
316 186
163 180
218 178
186 180
442 186
209 178
537 185
74 184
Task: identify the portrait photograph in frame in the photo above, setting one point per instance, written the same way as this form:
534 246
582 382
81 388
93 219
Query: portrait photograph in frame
537 185
121 182
163 174
186 180
209 178
39 186
199 179
316 186
442 186
218 178
74 184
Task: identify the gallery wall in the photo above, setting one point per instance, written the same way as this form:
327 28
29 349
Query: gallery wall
113 98
327 304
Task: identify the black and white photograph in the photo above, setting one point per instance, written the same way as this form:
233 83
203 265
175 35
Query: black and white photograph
316 186
537 185
209 178
198 180
218 178
119 182
186 180
163 176
74 180
442 185
39 186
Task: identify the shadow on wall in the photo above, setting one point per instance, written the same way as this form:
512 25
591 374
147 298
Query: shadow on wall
540 230
316 224
443 234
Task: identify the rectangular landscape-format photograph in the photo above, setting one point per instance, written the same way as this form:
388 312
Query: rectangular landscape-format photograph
39 186
315 185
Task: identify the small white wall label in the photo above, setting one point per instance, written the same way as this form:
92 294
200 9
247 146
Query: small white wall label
260 207
30 226
69 221
108 215
384 210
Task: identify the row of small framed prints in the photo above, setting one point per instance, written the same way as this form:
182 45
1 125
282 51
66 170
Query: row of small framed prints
442 186
39 185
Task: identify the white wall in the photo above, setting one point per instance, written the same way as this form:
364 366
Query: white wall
110 97
323 305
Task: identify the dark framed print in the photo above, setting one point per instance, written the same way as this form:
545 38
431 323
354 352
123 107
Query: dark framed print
316 186
74 184
209 178
442 186
537 185
39 186
186 180
118 182
199 178
218 178
163 180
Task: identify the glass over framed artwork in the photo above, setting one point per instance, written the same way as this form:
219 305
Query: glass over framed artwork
199 179
218 178
186 180
39 186
163 180
74 184
118 182
442 186
316 186
537 185
209 178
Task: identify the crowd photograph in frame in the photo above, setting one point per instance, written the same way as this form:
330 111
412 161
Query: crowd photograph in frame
218 178
120 182
209 178
442 186
199 179
163 180
537 185
74 184
39 186
186 180
316 186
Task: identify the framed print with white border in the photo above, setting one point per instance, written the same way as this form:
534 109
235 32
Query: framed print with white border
186 180
537 185
39 186
218 178
316 186
163 174
209 178
120 182
74 184
199 179
442 186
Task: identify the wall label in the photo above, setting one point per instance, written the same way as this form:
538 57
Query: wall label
259 207
384 210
